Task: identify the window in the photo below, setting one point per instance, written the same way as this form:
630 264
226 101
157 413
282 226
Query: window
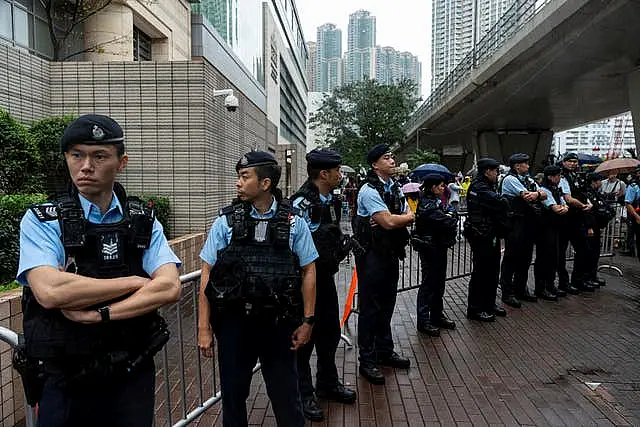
20 27
141 45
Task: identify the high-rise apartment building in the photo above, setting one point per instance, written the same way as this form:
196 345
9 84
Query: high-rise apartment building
361 41
393 66
311 66
328 72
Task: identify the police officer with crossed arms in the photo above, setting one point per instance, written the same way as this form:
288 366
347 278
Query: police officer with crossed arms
257 292
95 266
322 211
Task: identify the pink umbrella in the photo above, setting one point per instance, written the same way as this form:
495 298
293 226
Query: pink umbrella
411 187
619 165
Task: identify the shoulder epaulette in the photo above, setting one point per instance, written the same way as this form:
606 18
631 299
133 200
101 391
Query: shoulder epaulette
46 212
304 204
226 210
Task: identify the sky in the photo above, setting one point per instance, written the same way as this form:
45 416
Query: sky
401 24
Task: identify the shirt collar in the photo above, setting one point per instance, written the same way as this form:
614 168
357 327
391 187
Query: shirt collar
268 214
327 198
90 208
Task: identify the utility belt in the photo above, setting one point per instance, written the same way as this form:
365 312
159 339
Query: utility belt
291 316
78 372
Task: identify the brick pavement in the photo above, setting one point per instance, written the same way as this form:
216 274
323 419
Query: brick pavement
529 368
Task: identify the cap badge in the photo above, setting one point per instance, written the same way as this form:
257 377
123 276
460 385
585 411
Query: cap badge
244 161
97 132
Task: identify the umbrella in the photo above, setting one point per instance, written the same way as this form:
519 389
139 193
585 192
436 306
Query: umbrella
619 165
347 169
588 159
411 187
427 168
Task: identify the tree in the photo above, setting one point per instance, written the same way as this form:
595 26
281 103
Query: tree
419 157
46 134
355 117
19 172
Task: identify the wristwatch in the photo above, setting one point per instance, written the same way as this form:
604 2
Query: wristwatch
309 320
105 314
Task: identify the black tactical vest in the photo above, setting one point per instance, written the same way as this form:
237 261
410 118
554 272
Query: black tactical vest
482 221
101 251
257 274
328 237
519 206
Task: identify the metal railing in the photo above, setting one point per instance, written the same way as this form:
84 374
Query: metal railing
520 13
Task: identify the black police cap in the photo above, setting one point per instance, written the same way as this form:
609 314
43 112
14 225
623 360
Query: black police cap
487 163
552 170
376 152
569 156
324 158
92 129
518 158
432 179
594 176
255 158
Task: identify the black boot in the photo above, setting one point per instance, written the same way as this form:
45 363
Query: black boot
482 316
570 289
593 283
584 287
601 282
394 360
311 409
499 311
511 301
372 374
548 296
445 323
558 292
528 297
338 393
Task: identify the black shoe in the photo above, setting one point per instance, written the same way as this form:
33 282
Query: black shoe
311 409
593 283
585 287
372 374
547 296
570 289
601 282
338 393
560 292
394 360
499 311
528 297
482 316
512 302
446 323
429 329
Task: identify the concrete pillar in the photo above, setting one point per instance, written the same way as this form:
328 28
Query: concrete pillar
108 35
634 103
502 144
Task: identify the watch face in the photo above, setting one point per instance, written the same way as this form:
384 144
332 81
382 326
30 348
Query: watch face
310 320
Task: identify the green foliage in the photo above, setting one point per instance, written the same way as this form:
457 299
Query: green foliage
19 171
12 209
163 210
46 134
9 286
419 157
360 115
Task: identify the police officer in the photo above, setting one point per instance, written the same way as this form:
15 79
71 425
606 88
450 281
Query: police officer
95 266
525 199
597 218
555 208
380 226
632 202
322 211
573 230
257 292
435 232
486 223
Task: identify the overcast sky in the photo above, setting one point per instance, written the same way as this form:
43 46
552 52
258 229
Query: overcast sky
401 24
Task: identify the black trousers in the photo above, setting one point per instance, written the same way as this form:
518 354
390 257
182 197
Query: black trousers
573 232
433 259
325 339
242 340
377 286
518 253
127 402
593 257
483 284
545 266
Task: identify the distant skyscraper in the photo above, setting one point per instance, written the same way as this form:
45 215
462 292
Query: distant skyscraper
328 72
311 66
361 41
409 68
393 66
223 15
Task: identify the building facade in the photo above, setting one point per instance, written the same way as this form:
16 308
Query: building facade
328 59
360 58
311 65
393 66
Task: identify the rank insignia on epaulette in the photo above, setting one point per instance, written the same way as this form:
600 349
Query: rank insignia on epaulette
45 212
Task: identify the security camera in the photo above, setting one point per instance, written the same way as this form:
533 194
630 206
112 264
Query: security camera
230 101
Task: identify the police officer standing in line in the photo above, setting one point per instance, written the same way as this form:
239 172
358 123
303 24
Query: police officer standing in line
525 199
596 219
435 232
547 243
257 292
322 211
486 223
95 266
632 202
380 227
574 230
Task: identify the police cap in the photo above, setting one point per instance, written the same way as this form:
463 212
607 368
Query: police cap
432 179
91 129
376 152
255 158
324 158
552 170
518 158
594 176
569 156
487 163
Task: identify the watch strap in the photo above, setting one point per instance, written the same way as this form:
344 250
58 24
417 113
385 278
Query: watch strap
105 313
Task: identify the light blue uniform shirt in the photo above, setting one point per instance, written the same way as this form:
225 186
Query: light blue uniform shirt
300 240
564 186
632 194
370 202
313 226
550 201
40 243
512 186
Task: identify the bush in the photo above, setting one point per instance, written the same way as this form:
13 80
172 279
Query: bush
163 210
12 209
46 134
19 167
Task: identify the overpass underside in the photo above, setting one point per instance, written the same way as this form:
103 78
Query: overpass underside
574 62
